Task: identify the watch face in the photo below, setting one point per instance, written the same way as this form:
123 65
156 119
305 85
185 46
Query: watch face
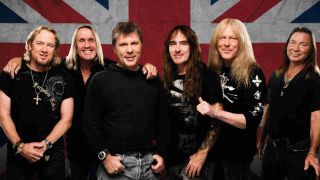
102 155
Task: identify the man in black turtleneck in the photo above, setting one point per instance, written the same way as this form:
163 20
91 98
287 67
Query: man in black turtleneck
125 117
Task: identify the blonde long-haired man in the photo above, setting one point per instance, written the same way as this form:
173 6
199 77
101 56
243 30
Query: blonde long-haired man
36 110
243 87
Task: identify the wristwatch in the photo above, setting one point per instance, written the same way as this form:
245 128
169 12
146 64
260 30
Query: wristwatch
48 143
103 154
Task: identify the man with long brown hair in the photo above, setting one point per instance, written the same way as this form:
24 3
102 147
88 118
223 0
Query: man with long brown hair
292 116
187 79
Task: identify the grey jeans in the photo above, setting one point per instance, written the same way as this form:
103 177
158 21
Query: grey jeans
137 166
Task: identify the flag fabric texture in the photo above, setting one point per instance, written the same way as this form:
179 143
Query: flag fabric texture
269 23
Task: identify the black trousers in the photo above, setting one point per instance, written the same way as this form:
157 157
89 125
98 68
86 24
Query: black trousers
19 168
282 162
231 170
83 170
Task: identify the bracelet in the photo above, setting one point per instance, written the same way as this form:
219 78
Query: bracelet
15 146
20 148
312 153
48 143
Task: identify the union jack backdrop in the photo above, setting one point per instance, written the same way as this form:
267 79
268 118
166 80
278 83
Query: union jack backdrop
269 23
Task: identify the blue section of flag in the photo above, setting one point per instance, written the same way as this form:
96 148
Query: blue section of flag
213 1
312 15
8 16
104 3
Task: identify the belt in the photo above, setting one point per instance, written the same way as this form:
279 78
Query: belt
137 154
286 143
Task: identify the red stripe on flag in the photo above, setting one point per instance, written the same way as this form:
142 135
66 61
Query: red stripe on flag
57 11
248 10
156 18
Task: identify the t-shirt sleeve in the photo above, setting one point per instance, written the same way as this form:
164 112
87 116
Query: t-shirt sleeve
6 84
253 99
315 103
70 86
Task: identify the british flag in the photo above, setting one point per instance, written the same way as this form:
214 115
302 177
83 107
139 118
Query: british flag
269 22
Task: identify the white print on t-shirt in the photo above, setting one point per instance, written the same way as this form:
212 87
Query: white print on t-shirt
257 81
257 109
227 89
53 91
257 95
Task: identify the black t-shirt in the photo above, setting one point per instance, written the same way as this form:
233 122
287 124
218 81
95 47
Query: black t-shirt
188 127
76 146
290 113
35 122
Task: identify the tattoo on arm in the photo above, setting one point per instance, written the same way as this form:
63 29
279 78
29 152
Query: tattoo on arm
210 139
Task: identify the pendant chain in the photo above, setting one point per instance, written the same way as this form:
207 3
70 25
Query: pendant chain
35 84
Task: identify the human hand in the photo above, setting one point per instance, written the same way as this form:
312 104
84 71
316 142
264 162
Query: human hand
31 151
150 70
205 108
261 148
195 164
159 165
312 160
13 66
113 165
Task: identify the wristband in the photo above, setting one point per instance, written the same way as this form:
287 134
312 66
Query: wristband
20 148
312 153
48 143
15 146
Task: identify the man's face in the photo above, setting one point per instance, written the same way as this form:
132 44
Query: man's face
299 47
179 50
86 44
128 50
42 49
228 45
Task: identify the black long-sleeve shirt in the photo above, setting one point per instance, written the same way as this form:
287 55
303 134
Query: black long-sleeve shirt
236 144
124 112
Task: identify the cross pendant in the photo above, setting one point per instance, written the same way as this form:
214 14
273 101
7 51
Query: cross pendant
37 99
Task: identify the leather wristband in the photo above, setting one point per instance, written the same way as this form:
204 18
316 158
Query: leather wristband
15 146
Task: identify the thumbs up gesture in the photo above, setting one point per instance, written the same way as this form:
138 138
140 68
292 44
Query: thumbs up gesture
205 108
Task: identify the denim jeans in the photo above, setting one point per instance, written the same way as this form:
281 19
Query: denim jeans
137 166
178 172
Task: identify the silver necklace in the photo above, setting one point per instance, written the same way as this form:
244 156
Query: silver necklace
35 85
285 85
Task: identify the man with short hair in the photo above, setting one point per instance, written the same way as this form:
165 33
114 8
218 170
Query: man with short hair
36 110
125 116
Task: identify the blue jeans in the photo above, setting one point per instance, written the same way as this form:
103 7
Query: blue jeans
178 172
137 166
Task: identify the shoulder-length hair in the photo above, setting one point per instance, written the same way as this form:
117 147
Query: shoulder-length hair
27 55
72 57
311 64
244 62
192 82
